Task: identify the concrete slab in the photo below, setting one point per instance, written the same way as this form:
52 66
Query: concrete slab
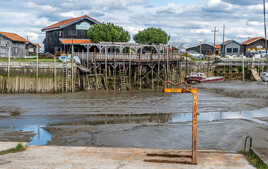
8 145
262 153
111 158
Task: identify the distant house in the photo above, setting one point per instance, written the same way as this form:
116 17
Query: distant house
231 47
32 48
206 49
253 45
19 46
218 49
62 35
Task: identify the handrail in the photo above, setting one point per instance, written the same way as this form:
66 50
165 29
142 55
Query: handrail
250 143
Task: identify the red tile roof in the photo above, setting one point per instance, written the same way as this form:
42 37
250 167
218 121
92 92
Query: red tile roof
75 41
217 46
14 37
252 40
67 21
228 41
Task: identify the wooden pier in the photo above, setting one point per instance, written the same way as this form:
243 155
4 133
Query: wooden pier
129 71
117 66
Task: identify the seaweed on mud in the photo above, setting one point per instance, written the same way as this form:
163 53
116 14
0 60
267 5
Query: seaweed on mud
18 148
10 110
255 160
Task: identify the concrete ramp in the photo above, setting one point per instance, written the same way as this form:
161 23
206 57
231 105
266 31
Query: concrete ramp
256 75
113 158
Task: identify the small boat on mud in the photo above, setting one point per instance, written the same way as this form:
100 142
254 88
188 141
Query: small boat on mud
264 76
202 78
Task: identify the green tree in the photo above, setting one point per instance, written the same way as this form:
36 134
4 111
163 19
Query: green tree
108 33
152 36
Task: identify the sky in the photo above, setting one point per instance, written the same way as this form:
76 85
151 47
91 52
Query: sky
187 21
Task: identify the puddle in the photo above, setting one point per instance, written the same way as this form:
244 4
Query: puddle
41 137
217 116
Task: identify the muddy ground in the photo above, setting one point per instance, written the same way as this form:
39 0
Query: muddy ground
142 119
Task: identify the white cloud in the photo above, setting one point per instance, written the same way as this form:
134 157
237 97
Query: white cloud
41 7
185 23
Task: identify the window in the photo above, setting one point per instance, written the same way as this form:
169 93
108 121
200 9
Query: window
229 50
15 50
60 33
235 50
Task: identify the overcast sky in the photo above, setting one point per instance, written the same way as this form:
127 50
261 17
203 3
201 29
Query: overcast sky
186 21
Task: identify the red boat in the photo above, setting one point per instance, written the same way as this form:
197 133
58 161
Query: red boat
202 78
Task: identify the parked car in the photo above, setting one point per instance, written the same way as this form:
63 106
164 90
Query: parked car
260 54
196 55
264 76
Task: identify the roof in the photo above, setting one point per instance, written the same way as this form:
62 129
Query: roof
249 41
69 21
199 45
230 41
75 41
226 42
218 46
14 37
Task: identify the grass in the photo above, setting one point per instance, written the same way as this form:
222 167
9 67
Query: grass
28 60
255 160
18 148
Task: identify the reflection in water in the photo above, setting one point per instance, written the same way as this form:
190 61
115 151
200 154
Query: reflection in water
42 137
216 116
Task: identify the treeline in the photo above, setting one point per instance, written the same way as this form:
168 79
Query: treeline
108 32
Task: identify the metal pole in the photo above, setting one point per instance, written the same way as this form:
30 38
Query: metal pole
194 126
223 48
215 31
265 32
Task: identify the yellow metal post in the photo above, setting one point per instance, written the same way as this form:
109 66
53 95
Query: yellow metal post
194 92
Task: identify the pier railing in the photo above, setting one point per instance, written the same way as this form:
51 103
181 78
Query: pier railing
115 56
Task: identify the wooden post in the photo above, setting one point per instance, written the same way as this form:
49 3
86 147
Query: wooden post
158 73
167 63
8 66
243 69
129 74
186 63
140 69
106 74
72 73
114 70
37 72
87 56
55 76
152 76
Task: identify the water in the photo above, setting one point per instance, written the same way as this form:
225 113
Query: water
92 108
41 137
217 116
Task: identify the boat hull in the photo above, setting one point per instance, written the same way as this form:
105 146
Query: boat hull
265 78
205 80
